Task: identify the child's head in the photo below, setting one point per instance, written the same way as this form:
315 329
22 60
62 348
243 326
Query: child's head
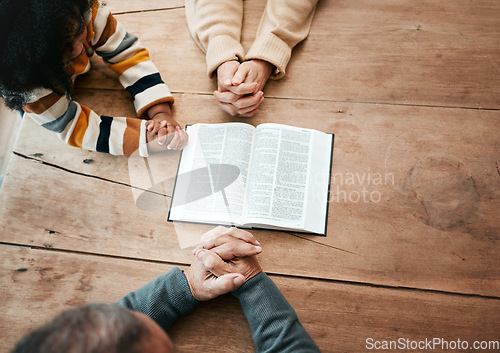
37 40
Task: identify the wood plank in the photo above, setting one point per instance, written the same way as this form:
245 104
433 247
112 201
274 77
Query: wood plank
124 6
37 284
10 122
431 224
426 53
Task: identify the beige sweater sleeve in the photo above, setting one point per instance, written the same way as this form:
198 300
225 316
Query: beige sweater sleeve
215 26
283 25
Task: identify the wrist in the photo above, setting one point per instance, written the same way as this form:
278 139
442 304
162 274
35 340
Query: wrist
251 283
159 108
158 115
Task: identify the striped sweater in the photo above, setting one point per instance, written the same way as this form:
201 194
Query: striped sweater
78 125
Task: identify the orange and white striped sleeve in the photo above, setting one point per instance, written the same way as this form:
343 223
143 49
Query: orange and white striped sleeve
79 126
125 55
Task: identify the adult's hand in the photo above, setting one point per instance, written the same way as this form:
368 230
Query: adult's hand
253 71
205 285
242 94
229 250
210 276
240 99
225 74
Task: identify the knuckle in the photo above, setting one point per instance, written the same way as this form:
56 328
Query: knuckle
231 245
209 263
220 229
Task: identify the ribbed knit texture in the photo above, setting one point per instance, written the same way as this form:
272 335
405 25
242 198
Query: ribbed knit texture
282 26
221 49
274 324
271 48
216 28
164 299
78 125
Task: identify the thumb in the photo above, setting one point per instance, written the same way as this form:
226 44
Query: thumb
226 283
240 75
226 74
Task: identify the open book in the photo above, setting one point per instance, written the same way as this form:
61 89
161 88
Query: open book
271 176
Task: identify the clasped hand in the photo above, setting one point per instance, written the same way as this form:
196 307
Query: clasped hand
240 86
224 260
163 128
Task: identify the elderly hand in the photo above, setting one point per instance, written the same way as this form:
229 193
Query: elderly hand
229 250
210 276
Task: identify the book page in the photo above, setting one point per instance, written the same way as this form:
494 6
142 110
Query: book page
213 173
289 177
278 178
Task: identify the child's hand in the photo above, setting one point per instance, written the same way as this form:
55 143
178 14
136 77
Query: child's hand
165 129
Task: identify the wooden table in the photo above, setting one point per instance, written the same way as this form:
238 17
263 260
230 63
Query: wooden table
411 92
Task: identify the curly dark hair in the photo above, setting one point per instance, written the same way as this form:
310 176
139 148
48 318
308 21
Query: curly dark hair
36 36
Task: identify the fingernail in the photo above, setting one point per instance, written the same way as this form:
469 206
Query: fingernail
201 255
227 82
258 248
238 281
258 242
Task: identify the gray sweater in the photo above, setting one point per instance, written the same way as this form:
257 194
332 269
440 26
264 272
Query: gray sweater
274 324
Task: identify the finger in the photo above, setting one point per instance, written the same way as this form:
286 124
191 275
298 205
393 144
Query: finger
228 246
226 73
250 114
214 233
173 140
157 126
228 108
237 248
225 284
249 101
244 88
183 139
221 235
240 75
213 262
162 136
226 97
149 125
246 111
242 235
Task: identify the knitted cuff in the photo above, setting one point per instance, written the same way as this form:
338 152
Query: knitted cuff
272 49
221 49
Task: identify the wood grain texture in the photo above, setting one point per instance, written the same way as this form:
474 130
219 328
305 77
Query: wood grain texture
124 6
38 284
414 196
426 53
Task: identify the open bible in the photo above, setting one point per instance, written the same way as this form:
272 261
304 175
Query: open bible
271 176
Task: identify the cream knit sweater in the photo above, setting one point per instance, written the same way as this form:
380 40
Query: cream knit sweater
216 27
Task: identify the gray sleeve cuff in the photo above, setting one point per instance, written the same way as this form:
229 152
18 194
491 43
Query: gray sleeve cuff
165 299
